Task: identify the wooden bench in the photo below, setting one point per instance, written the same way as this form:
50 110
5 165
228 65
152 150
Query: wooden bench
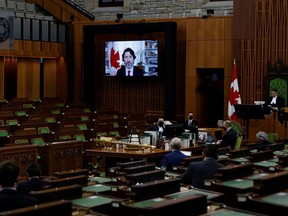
61 207
69 192
143 177
155 189
60 182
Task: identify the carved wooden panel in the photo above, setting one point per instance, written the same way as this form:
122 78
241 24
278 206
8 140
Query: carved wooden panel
23 155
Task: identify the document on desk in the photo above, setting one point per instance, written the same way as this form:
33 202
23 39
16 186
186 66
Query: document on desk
187 153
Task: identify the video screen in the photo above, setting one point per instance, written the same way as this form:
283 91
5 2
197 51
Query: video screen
131 58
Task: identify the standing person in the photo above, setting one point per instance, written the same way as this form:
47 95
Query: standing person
128 69
34 182
191 124
10 198
197 172
174 158
230 137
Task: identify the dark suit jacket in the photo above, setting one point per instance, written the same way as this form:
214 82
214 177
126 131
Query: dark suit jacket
193 125
33 184
280 102
136 71
229 139
197 172
155 127
172 159
12 199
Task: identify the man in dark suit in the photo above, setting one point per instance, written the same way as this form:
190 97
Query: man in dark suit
174 158
159 126
10 198
274 103
197 172
34 182
230 137
191 124
128 69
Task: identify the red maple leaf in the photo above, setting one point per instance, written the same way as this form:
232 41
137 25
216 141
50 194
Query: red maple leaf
114 58
234 96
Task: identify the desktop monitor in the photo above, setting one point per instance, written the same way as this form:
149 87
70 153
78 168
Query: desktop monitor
174 130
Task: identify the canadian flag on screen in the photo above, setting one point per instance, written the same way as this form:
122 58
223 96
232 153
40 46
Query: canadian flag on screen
234 97
114 58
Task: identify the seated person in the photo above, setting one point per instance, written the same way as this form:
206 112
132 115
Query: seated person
274 102
230 137
10 198
34 182
159 126
175 157
197 172
262 139
220 124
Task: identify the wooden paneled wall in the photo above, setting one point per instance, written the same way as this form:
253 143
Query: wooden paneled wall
209 45
26 70
268 45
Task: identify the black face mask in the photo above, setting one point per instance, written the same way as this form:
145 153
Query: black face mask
160 124
190 117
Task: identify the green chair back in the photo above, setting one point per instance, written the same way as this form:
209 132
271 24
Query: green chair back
43 130
281 85
50 120
238 142
12 122
272 137
22 141
38 141
82 126
79 137
20 113
65 137
4 133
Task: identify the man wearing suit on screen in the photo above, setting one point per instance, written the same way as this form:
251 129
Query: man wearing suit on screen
128 69
10 198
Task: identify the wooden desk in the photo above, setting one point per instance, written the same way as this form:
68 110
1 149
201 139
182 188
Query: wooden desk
114 156
212 131
24 155
61 156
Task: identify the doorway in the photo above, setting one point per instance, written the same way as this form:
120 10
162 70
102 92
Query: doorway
211 89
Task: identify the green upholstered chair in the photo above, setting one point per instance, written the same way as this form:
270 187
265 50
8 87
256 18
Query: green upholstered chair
238 142
79 137
43 130
281 85
38 141
272 137
82 126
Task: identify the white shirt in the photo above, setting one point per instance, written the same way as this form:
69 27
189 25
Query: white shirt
274 100
131 71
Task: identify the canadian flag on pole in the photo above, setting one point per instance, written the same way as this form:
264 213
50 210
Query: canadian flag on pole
234 97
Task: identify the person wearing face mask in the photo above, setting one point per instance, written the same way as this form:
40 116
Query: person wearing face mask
159 126
191 124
